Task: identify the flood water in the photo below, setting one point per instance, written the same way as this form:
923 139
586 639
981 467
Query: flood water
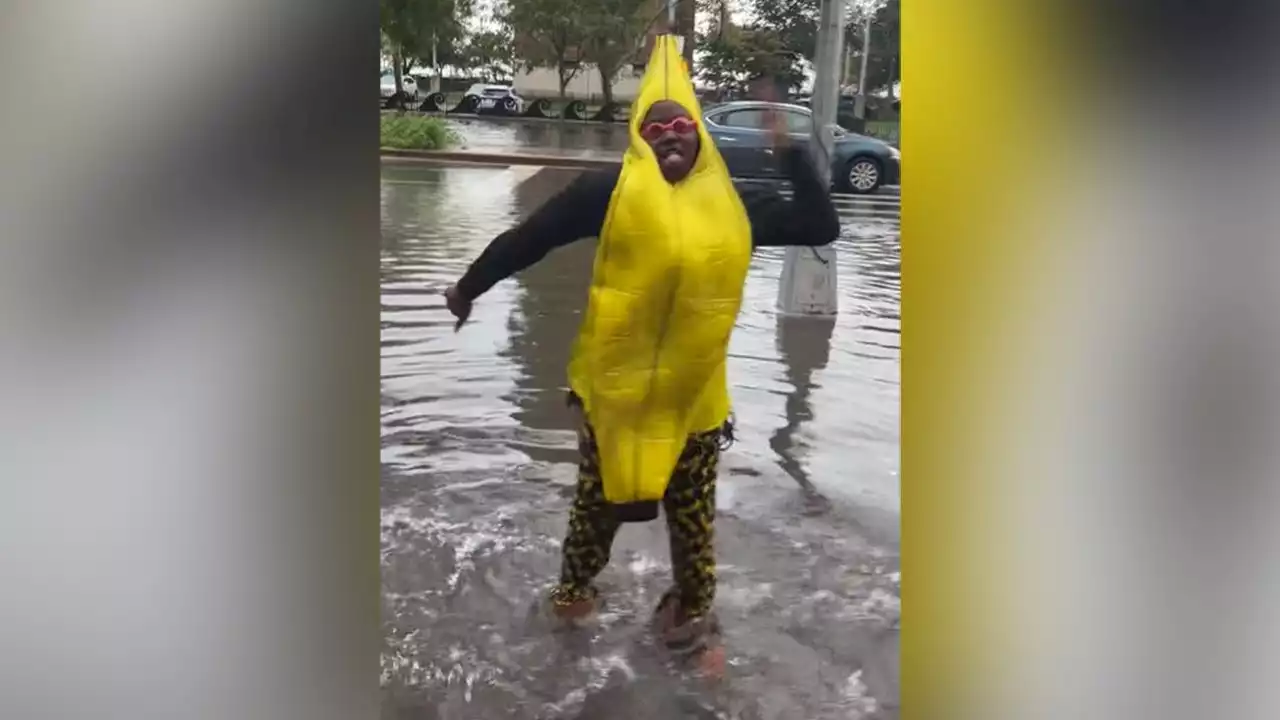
588 139
478 466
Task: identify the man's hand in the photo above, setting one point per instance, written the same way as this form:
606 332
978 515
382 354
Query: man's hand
458 304
779 136
776 122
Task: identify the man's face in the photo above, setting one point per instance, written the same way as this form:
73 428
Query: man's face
673 135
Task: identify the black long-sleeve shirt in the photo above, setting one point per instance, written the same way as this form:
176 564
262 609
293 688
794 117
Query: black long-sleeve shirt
807 219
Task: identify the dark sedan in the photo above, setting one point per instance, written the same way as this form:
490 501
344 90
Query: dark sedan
859 165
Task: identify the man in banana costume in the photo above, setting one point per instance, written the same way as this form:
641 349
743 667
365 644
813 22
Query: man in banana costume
647 375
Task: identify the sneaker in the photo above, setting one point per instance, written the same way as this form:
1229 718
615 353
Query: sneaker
710 661
697 641
575 611
666 617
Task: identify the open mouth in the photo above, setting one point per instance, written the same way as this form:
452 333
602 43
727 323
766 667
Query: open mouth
668 154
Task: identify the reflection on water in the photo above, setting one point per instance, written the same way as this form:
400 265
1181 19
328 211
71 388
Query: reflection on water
478 465
804 345
578 138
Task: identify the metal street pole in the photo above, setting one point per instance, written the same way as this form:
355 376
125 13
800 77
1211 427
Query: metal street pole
848 66
826 82
681 22
860 103
435 66
672 22
808 283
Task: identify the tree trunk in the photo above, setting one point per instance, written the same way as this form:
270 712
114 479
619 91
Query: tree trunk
406 63
724 19
397 71
564 80
686 21
606 84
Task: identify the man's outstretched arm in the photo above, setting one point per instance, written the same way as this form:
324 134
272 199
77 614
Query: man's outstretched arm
808 218
577 212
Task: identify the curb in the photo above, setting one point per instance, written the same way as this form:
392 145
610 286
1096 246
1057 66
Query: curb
453 157
504 118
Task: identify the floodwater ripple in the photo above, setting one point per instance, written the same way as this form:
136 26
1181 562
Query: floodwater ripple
478 467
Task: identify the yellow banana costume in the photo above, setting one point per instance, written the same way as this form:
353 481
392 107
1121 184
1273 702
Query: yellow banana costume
670 265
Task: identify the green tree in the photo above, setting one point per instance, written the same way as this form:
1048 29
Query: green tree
491 54
884 61
417 29
613 30
550 33
733 58
720 12
721 63
392 18
795 23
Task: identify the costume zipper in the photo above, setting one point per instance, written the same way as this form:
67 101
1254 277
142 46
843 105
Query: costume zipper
601 281
603 264
662 335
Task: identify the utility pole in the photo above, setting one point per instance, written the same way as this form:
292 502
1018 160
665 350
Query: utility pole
671 25
808 284
860 102
683 25
435 66
848 66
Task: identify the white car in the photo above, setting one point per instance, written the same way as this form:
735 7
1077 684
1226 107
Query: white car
407 82
493 96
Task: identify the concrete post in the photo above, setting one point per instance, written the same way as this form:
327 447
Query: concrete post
809 282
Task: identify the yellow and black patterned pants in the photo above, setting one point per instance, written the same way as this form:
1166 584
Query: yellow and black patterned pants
690 509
